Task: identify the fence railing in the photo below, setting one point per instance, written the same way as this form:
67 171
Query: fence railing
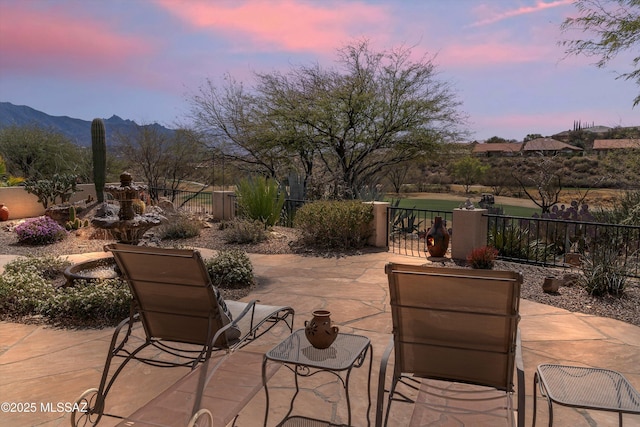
200 202
552 242
407 229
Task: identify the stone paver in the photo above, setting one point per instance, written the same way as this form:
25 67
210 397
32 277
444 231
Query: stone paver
42 364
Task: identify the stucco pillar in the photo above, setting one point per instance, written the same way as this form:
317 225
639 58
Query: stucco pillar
470 228
223 205
379 225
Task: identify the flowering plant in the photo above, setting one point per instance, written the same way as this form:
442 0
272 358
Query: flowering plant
40 231
482 258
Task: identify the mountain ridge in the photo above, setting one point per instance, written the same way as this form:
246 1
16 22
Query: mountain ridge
77 130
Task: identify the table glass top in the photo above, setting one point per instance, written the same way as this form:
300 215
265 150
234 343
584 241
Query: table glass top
341 355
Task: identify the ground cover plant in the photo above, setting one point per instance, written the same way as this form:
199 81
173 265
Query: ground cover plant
31 288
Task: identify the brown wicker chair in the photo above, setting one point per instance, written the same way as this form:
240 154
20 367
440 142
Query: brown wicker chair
183 317
458 326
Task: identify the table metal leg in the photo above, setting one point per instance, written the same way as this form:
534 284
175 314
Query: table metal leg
293 399
535 398
370 348
346 392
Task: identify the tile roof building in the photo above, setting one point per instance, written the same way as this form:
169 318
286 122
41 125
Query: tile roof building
549 146
499 148
615 144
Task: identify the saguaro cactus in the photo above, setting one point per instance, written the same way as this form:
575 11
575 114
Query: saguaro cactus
99 149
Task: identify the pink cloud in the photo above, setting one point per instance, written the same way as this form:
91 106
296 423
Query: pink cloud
33 39
284 24
492 53
488 15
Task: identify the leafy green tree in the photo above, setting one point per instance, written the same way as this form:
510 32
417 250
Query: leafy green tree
37 153
231 119
468 171
532 136
5 179
373 110
615 28
495 140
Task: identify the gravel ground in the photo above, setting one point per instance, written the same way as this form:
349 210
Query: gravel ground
283 240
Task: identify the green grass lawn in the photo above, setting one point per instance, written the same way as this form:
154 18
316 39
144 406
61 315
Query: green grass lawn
450 205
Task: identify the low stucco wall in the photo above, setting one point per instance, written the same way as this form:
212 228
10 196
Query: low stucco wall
24 205
379 224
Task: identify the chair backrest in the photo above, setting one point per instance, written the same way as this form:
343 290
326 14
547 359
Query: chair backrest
455 324
172 292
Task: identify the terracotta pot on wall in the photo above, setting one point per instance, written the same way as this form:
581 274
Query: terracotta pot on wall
4 212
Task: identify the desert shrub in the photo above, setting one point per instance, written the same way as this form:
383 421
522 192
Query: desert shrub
230 269
260 199
605 272
513 241
335 224
27 288
510 240
625 210
40 231
244 231
180 227
482 258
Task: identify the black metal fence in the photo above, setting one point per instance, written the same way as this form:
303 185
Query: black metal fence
407 229
200 202
540 241
552 242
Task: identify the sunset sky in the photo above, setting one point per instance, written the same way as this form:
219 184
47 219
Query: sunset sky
143 59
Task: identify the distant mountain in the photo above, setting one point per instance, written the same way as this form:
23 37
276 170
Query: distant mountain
77 130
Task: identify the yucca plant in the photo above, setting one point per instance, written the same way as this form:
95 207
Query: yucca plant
260 199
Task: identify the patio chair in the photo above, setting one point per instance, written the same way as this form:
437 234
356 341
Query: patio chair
184 319
453 325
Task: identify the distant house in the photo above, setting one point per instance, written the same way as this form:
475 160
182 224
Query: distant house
549 146
497 149
603 145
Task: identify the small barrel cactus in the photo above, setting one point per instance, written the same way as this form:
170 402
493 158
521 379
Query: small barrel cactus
138 206
99 150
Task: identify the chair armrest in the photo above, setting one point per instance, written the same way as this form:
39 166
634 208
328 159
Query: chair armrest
250 307
381 380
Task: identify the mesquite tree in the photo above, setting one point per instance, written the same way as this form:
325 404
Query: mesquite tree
612 27
371 111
